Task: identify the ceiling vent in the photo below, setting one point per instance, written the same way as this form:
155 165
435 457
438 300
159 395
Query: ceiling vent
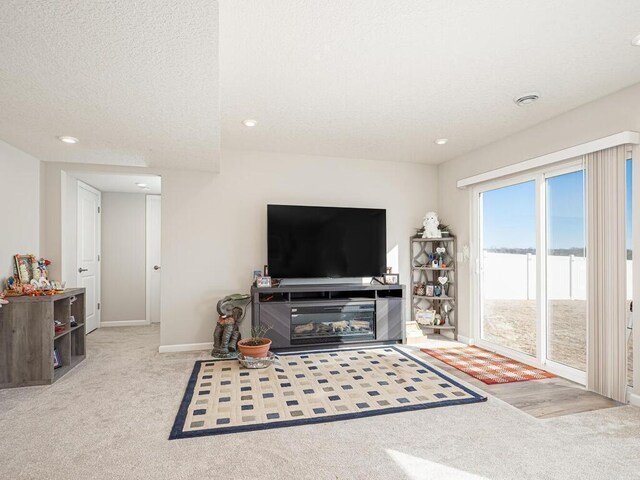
526 99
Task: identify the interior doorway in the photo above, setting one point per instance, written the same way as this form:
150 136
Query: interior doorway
111 242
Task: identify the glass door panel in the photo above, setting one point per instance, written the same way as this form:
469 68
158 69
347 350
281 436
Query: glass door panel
566 272
508 267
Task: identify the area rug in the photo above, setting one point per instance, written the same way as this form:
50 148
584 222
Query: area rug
488 367
311 387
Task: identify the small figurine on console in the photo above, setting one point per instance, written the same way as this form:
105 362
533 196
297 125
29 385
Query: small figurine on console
431 224
231 311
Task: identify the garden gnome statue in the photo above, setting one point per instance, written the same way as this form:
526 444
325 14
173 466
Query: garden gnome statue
231 310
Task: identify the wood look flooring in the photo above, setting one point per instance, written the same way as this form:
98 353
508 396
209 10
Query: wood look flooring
546 398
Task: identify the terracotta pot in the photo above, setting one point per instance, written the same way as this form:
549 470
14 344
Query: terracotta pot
256 351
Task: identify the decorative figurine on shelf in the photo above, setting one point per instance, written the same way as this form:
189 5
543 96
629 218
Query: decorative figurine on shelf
231 311
446 310
431 224
443 281
437 290
3 301
438 320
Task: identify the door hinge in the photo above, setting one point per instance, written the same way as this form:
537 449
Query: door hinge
98 209
98 305
98 257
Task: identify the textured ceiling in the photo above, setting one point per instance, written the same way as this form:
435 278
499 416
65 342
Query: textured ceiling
135 81
164 83
383 79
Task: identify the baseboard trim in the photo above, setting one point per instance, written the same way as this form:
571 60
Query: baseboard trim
634 399
125 323
186 347
467 340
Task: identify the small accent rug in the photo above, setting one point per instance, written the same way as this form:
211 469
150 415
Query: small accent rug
311 387
488 367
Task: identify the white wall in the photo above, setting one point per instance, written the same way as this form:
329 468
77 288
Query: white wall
69 259
606 116
214 225
20 214
123 257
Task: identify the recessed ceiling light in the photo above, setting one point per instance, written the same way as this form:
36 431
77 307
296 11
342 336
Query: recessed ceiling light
250 122
636 41
526 99
441 141
141 185
67 139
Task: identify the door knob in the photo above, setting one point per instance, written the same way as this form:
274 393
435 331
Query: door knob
156 267
80 270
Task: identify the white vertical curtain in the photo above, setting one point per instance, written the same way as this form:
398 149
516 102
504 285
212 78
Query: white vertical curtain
606 254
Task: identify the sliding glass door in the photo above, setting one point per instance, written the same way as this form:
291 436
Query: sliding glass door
509 284
532 288
566 269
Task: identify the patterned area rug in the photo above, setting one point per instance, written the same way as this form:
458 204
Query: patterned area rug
311 387
488 367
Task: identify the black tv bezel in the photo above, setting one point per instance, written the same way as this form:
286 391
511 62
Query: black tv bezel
383 255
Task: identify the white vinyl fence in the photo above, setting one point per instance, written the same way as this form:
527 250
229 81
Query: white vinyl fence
509 276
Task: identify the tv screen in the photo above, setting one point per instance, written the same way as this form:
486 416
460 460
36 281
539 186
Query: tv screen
308 242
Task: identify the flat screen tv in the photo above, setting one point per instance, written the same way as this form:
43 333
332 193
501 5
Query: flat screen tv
313 242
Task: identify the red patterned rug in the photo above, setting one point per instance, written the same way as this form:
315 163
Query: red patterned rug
488 367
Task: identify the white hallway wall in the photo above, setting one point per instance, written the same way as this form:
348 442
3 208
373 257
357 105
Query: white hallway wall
123 257
214 225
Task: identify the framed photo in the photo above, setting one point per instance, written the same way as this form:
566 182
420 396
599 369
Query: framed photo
428 291
24 265
425 317
262 282
391 278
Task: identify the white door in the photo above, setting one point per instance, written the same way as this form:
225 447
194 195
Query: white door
89 251
153 258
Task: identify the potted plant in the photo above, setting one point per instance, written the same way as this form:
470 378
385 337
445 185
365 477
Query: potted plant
444 230
256 346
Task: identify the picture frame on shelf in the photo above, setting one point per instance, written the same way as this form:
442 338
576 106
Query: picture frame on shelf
428 290
425 317
263 282
391 278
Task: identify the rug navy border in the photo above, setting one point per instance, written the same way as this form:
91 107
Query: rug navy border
177 430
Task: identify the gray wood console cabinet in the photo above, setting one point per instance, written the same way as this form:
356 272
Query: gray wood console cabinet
331 314
27 338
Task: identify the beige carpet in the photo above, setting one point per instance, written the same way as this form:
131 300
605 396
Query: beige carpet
110 419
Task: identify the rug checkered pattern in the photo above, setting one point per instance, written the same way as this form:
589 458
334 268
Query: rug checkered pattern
488 367
311 387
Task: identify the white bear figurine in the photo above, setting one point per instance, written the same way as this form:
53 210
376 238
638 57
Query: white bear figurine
431 223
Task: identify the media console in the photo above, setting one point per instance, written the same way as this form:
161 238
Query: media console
330 315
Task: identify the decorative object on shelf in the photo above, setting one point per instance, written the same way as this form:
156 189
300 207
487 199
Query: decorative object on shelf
231 310
431 224
257 362
3 301
445 314
425 317
433 263
391 278
263 282
57 359
257 345
420 289
443 281
24 265
388 270
444 230
256 275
